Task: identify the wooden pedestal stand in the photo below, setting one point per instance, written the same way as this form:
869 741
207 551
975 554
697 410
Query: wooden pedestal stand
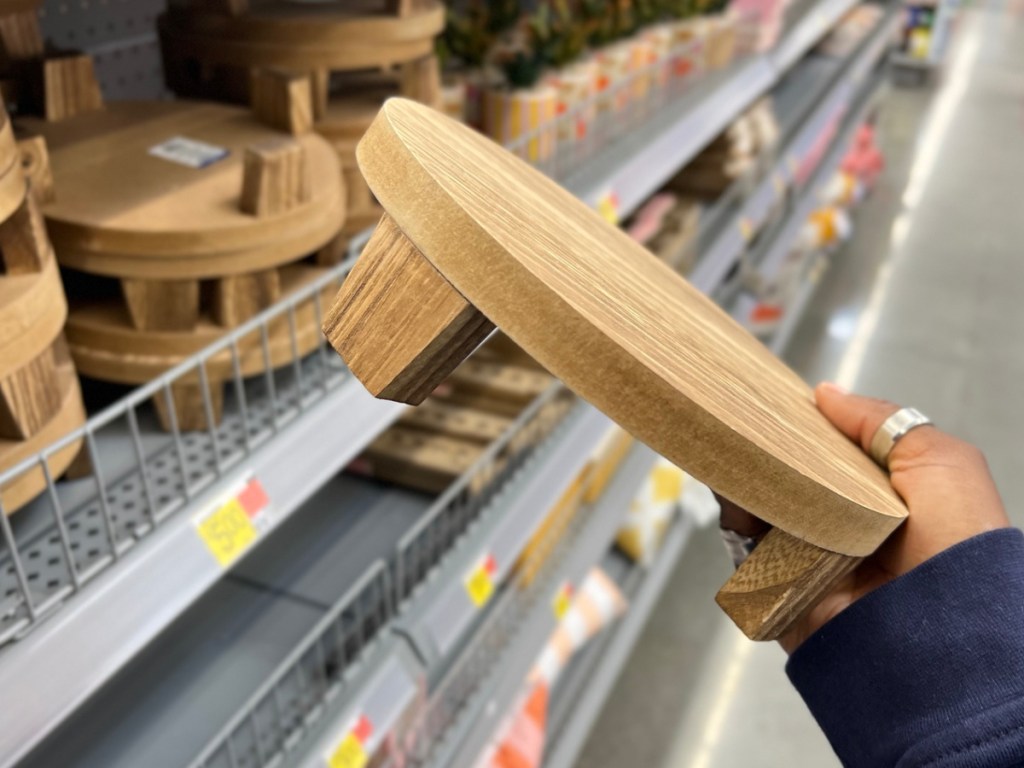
356 54
198 211
488 241
40 400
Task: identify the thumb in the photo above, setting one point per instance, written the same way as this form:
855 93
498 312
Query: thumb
855 416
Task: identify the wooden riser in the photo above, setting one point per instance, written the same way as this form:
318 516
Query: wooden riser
270 200
297 37
106 346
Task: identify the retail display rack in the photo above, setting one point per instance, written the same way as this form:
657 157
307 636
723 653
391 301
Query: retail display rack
354 614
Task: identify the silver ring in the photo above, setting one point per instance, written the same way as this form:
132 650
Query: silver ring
892 429
737 545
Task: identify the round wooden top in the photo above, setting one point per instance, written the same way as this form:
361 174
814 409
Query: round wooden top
18 6
305 36
122 211
623 330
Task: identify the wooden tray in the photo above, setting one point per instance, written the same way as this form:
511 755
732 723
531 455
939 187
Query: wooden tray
476 238
303 36
122 212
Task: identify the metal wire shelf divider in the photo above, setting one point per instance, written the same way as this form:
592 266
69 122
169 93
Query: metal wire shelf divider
296 694
466 681
92 522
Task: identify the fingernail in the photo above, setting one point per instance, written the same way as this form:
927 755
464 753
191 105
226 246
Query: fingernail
831 386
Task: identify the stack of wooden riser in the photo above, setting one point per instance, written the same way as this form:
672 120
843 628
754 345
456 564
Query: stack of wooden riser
40 400
356 55
435 443
197 216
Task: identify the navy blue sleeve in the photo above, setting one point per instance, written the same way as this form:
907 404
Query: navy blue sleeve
929 669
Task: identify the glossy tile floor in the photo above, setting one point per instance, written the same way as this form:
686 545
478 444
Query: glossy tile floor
925 307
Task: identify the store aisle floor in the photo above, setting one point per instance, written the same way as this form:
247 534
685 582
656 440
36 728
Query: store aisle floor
924 307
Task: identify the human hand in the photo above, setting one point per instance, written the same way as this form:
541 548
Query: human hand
945 483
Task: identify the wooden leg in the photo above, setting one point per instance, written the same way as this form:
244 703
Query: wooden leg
29 397
239 297
276 177
24 245
320 81
64 87
162 305
421 81
398 302
779 582
20 36
282 100
188 406
35 161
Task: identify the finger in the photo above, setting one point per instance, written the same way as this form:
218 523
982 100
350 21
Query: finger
734 518
859 418
855 416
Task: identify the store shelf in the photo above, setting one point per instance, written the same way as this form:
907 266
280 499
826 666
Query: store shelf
768 258
813 97
581 692
151 577
524 626
438 622
83 602
632 168
817 21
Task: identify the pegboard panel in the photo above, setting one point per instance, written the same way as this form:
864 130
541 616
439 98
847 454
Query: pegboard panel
120 34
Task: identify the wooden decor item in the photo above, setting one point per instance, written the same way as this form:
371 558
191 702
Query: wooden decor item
276 178
19 31
303 36
66 86
353 55
283 100
39 396
199 211
488 241
153 190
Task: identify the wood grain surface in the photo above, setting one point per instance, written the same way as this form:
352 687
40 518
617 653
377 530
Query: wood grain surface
121 211
618 326
71 414
32 314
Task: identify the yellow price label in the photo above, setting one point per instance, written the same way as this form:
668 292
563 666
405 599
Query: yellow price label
480 581
608 207
746 229
667 481
480 587
349 754
227 532
562 602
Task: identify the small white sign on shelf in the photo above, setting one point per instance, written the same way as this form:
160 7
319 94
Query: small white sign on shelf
190 152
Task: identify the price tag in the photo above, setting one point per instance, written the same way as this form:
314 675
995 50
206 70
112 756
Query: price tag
562 601
352 751
746 229
608 207
235 521
188 152
479 581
